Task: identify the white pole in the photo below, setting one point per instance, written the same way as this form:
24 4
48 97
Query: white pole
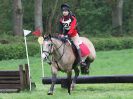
42 61
27 60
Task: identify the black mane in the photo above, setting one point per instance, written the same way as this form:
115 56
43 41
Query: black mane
57 36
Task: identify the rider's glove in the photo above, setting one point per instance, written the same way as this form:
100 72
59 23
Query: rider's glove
66 37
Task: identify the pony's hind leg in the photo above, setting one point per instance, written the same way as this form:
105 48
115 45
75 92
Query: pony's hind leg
88 62
54 74
76 70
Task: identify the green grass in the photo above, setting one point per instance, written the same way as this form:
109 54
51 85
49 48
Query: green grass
107 63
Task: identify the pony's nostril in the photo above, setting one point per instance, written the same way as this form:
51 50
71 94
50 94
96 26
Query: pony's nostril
45 58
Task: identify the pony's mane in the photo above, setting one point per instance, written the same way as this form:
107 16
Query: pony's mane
57 36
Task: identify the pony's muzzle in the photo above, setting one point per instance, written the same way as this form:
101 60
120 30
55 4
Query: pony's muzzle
44 56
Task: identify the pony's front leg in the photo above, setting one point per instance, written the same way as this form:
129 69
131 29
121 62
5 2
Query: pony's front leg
54 74
76 70
69 81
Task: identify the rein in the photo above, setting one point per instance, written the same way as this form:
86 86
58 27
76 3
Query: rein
58 49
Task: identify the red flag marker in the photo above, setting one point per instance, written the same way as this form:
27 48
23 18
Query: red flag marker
37 32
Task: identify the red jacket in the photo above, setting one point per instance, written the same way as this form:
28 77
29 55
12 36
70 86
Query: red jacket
69 24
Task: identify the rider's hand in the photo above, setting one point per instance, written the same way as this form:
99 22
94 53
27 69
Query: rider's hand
66 36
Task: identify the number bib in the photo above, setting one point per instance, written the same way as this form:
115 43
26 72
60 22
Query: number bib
66 24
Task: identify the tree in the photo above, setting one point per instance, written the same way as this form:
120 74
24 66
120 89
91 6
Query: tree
51 17
38 14
17 17
117 16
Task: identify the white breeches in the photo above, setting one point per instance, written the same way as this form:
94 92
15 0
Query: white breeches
77 41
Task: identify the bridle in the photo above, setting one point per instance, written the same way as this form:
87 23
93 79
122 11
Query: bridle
50 52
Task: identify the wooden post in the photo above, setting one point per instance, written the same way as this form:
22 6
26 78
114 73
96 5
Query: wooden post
21 76
27 76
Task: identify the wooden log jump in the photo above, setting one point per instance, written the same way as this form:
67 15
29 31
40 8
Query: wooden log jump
94 79
14 80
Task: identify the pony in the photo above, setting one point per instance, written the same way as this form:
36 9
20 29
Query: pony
64 59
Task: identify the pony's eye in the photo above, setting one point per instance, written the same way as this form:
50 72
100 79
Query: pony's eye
49 44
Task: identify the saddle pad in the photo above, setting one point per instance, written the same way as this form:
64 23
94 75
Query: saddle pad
84 50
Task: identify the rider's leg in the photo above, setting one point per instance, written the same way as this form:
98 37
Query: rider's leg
77 42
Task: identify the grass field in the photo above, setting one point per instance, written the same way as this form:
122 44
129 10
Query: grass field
107 63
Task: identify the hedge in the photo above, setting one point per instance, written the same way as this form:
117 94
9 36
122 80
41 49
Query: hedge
112 43
17 50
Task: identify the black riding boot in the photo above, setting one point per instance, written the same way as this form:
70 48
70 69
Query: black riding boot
83 65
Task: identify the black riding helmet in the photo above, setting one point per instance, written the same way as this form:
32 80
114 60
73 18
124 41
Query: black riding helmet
65 7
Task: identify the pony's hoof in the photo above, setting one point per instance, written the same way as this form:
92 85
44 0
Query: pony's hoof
72 87
69 93
50 93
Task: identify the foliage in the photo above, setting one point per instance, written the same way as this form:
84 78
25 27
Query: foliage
91 16
5 17
94 16
113 43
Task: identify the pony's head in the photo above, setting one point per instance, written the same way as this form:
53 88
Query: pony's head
47 47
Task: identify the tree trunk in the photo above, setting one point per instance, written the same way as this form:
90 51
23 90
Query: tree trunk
51 17
38 15
17 17
117 9
78 3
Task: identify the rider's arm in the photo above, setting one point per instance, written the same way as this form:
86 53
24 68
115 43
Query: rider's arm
72 25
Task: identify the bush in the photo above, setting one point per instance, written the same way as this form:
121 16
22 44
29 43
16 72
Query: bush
17 50
112 43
